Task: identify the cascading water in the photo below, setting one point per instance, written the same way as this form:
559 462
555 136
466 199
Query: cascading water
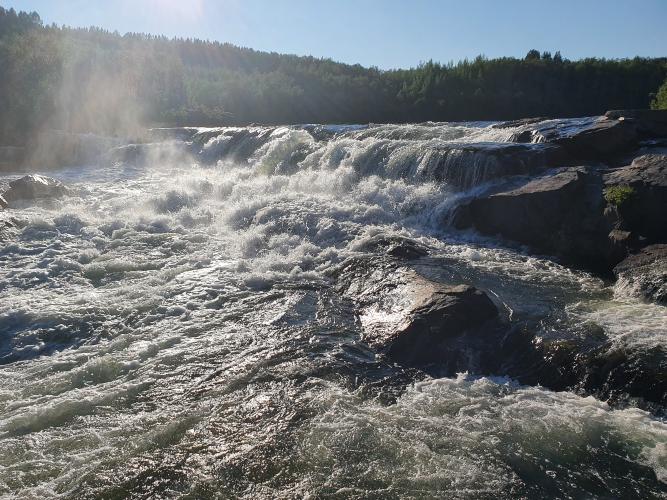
171 329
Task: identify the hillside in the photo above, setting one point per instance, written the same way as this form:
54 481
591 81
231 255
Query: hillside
98 81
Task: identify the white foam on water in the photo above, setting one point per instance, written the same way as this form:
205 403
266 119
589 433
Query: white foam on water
162 311
470 437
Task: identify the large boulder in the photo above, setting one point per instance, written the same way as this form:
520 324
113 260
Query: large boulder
645 273
586 139
650 123
639 192
34 187
412 319
560 213
436 313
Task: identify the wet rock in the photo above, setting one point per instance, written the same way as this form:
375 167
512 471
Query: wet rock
395 246
34 187
650 123
645 273
560 213
639 192
466 165
3 203
624 375
436 314
415 320
518 123
587 361
588 140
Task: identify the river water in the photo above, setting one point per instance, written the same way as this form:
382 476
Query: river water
171 331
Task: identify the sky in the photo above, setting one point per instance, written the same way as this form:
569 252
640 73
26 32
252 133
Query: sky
385 33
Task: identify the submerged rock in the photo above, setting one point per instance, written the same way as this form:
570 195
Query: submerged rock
560 213
645 273
34 187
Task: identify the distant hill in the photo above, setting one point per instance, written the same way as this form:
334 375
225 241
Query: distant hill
94 80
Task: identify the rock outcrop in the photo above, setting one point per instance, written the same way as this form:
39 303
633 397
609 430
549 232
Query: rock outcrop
560 213
597 139
643 207
650 123
645 273
466 165
412 319
34 187
435 314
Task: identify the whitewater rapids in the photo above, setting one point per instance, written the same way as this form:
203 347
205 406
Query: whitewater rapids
170 331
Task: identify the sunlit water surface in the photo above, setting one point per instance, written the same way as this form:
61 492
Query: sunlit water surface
171 331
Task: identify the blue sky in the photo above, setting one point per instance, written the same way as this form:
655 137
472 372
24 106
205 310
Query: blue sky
386 33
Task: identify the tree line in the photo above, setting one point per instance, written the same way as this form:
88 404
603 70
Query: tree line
92 80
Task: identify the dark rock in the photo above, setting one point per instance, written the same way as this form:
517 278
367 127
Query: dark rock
561 213
585 139
650 123
3 203
34 187
436 313
588 362
412 319
645 273
467 165
621 374
518 123
645 210
395 246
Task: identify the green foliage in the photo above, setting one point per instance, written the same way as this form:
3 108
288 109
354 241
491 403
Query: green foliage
660 101
91 80
619 195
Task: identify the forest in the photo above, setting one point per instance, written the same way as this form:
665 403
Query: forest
92 80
